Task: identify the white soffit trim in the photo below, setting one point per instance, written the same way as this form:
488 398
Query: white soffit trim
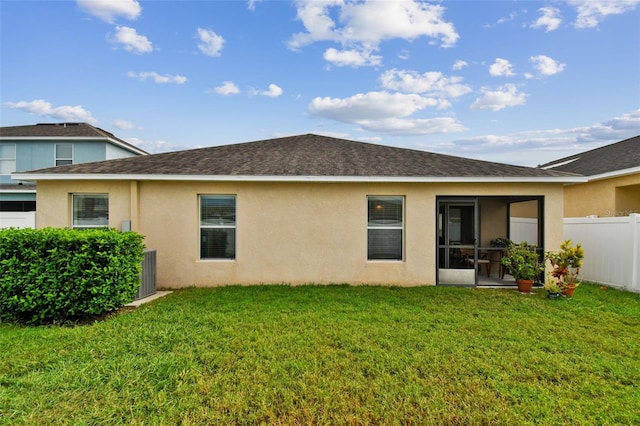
616 173
258 178
553 166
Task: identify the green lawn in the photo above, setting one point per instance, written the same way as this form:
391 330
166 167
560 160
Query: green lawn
334 355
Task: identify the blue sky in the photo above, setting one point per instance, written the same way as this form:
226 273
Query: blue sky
520 82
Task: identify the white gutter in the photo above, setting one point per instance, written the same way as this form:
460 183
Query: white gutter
17 190
125 145
328 179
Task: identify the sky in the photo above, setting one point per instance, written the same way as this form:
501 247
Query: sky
518 82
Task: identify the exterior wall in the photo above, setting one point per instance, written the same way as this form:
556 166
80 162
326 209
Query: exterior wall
292 233
528 209
34 154
493 221
17 196
603 198
627 199
54 201
114 152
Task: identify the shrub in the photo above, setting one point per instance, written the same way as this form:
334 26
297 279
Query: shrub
58 275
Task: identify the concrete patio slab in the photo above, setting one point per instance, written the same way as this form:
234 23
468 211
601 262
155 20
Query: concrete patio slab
147 299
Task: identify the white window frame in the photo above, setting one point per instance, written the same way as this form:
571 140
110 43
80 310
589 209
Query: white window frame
74 197
400 227
220 225
58 158
8 160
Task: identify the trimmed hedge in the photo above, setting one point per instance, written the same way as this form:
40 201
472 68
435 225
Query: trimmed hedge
58 275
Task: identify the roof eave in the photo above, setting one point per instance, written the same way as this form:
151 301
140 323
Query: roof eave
320 179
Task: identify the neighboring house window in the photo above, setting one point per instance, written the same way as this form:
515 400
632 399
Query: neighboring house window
90 210
7 158
385 227
64 154
217 227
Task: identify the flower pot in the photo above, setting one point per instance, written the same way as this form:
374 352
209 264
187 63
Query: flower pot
524 286
552 295
568 290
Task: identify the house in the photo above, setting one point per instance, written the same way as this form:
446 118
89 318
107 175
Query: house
305 209
47 145
613 185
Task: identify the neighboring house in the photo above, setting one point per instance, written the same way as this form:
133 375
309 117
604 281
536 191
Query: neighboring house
47 145
613 186
304 209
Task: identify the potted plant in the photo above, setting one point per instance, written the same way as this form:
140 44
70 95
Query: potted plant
566 265
500 242
524 264
552 287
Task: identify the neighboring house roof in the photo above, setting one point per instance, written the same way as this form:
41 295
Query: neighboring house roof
608 161
64 131
301 158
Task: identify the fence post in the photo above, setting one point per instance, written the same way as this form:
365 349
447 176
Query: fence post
635 262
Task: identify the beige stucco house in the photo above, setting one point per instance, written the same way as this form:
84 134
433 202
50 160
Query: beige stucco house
613 185
306 209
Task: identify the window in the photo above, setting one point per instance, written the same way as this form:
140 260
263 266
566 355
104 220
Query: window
90 210
217 227
64 154
385 227
7 158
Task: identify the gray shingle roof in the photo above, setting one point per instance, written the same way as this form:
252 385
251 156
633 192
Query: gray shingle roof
61 130
610 158
303 155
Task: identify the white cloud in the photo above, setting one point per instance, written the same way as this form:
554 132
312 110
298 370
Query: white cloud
459 64
511 17
369 106
384 112
546 66
351 58
43 108
273 92
616 128
251 4
418 126
362 25
592 12
158 146
125 125
550 19
495 100
132 41
501 67
227 88
157 78
433 83
534 147
109 10
210 43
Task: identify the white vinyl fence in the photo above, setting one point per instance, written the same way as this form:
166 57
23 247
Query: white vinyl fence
523 229
17 219
611 249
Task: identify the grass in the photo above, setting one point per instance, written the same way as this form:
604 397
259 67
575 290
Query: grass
334 355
